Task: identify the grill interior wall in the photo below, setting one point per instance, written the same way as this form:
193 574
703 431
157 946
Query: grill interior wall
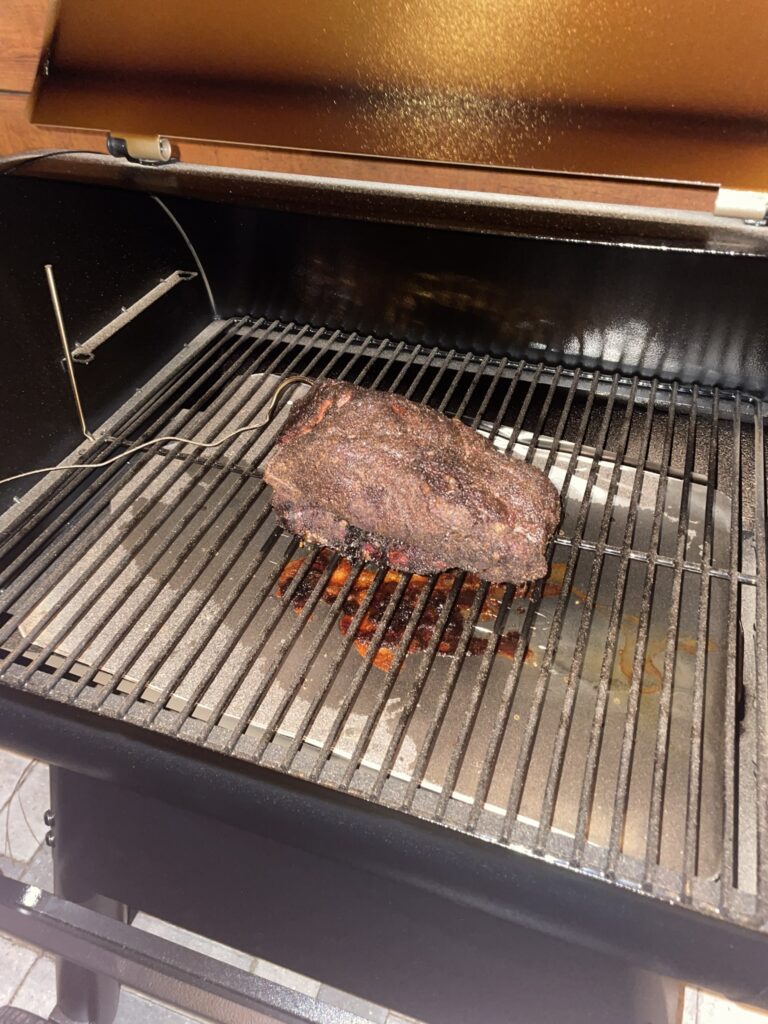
614 719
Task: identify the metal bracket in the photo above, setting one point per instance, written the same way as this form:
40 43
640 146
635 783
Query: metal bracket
84 352
141 149
749 206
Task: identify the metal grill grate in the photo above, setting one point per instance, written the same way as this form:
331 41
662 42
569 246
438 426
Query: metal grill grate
614 718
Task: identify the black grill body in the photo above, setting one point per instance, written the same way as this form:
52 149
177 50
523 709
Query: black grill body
441 834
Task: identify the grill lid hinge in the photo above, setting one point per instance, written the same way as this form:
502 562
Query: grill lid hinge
141 149
749 206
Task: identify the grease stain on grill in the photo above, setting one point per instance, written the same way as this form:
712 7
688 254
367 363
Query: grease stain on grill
423 635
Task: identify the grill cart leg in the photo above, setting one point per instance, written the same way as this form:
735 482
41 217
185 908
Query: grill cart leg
83 995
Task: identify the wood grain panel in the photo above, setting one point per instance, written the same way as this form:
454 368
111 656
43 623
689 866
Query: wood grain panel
21 31
17 135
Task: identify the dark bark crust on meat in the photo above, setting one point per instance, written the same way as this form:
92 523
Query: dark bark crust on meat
380 478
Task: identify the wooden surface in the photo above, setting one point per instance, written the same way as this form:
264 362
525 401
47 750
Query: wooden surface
22 24
21 30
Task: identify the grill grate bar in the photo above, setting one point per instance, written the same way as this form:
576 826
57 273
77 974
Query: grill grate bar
256 605
65 549
512 680
385 369
459 752
761 645
534 715
693 810
479 374
245 717
312 601
373 787
638 661
728 874
445 697
598 718
539 427
192 613
306 612
385 621
327 679
216 484
415 615
407 364
463 643
665 561
442 621
665 703
64 485
566 715
235 595
360 676
178 527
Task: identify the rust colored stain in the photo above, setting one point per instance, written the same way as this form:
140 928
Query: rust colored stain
652 677
509 641
553 585
423 635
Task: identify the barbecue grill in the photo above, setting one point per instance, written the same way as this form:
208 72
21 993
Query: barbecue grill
462 800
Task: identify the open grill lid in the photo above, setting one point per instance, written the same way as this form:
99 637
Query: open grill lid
674 92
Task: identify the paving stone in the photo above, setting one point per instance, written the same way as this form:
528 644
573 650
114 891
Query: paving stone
22 828
35 797
197 942
11 767
39 871
289 979
15 961
134 1009
11 868
368 1011
38 990
706 1008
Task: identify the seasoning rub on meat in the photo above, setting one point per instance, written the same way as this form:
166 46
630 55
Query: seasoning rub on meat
378 477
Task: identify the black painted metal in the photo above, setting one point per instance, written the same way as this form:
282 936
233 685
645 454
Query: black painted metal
335 885
339 922
107 250
669 295
152 965
512 330
687 314
456 209
82 993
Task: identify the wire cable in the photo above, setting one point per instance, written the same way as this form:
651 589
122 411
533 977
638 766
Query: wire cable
222 439
203 276
23 161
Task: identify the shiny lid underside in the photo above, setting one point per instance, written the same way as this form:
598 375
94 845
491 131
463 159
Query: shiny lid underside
647 90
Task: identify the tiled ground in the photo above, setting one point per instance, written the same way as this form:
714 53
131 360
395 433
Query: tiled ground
27 978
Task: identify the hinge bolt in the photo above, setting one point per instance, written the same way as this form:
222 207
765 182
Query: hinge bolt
49 818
